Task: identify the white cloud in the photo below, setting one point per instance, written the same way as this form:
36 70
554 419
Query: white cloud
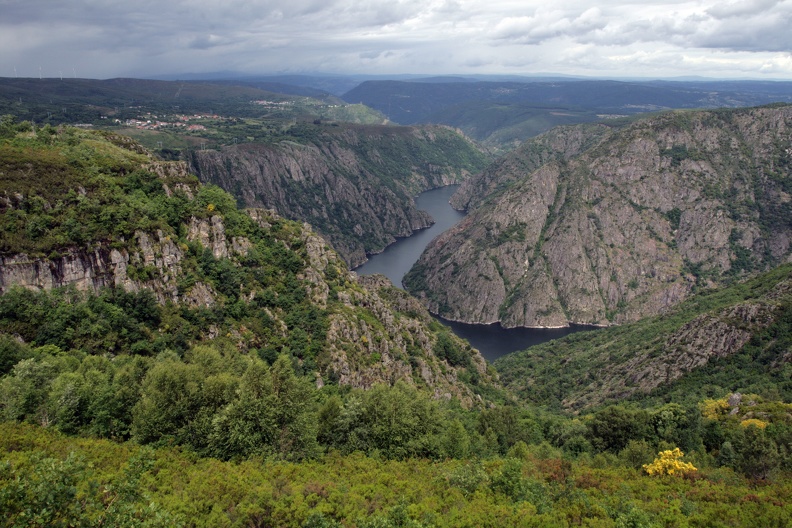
548 24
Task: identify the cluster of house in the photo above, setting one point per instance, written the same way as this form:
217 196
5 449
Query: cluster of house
273 103
152 122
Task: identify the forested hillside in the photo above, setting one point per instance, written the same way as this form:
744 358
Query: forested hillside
736 338
105 251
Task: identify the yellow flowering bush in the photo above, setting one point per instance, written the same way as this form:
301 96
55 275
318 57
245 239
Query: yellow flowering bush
761 424
713 409
669 463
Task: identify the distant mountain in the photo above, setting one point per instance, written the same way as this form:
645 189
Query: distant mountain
469 105
86 100
503 126
415 102
282 88
605 225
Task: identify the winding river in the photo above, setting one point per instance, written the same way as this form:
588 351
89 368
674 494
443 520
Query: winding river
492 340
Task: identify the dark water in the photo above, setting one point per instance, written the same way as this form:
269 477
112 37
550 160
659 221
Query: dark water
399 257
492 341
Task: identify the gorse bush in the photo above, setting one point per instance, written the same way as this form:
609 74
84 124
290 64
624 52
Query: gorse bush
669 462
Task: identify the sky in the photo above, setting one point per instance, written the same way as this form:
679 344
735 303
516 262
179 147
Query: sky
610 38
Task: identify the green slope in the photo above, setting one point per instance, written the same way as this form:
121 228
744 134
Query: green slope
733 339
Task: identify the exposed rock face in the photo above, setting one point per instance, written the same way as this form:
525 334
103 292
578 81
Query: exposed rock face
151 260
620 231
106 266
354 185
404 330
558 144
704 339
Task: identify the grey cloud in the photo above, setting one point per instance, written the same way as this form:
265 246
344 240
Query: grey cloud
204 42
740 28
741 8
111 38
371 54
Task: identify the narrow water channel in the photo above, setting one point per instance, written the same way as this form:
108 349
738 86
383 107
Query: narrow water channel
492 341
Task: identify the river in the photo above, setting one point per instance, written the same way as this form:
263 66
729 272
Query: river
493 341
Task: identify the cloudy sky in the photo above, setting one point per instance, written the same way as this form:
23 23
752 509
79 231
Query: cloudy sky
609 38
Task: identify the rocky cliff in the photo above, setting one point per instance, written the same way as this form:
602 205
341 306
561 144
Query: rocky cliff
354 184
559 144
597 226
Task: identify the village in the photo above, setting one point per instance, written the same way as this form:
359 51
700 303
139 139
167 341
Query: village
153 122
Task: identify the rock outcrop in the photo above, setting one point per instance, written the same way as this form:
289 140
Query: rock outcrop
704 339
596 226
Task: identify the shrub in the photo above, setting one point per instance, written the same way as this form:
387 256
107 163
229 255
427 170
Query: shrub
669 463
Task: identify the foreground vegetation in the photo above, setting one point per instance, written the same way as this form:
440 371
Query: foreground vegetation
54 480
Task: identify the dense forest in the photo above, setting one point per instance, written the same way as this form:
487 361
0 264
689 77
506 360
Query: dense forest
250 380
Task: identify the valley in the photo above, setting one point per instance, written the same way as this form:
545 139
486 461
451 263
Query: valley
493 341
182 341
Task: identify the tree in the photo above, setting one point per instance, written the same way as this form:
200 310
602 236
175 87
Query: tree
757 453
273 414
170 400
246 426
613 427
295 414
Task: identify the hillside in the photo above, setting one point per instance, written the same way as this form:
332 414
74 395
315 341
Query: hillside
559 144
91 226
643 216
737 339
85 100
354 184
503 126
312 159
159 112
